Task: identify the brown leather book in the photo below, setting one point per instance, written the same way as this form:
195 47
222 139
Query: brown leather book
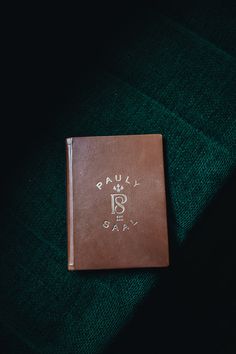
116 202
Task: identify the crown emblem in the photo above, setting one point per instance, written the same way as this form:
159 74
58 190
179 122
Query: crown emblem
118 188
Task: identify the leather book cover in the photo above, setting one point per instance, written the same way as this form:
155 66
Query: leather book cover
116 202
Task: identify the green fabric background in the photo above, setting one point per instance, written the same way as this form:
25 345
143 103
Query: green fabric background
168 72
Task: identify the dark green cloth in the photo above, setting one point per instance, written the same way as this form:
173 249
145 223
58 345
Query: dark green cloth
168 72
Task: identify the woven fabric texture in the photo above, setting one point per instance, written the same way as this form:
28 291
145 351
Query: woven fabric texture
168 74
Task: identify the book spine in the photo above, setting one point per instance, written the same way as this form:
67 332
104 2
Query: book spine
70 202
